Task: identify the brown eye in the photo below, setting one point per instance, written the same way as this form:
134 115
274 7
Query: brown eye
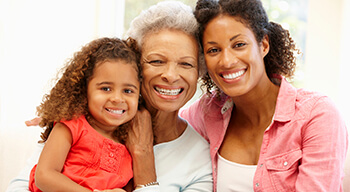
128 91
186 64
156 62
240 45
106 89
212 50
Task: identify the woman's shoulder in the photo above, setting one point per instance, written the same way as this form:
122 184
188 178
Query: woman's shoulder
312 99
207 102
302 100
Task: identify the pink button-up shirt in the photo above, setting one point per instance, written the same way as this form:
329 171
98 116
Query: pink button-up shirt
304 148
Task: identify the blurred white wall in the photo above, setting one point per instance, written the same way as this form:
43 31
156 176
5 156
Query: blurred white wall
327 63
36 38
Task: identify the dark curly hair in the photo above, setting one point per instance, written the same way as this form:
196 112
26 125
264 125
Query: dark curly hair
68 98
281 58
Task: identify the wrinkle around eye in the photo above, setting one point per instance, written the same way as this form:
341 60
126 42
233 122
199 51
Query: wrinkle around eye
187 64
156 62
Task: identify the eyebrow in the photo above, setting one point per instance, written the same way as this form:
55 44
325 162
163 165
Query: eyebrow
188 57
110 83
131 85
232 38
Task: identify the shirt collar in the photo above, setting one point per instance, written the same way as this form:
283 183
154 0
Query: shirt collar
285 106
286 101
227 105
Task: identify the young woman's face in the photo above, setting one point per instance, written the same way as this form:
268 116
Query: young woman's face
170 69
233 56
113 94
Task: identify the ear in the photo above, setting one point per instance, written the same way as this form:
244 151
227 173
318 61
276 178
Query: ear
265 46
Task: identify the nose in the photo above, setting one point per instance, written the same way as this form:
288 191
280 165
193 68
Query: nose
228 59
170 73
117 97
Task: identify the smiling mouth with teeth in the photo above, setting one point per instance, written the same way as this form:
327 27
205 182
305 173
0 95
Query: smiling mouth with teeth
168 91
233 75
119 112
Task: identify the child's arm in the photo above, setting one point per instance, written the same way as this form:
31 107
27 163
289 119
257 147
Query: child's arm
48 176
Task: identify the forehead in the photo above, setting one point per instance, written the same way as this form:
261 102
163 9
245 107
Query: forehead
226 25
111 68
116 62
169 39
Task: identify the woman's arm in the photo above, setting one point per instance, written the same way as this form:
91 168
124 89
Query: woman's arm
324 146
33 122
48 174
140 145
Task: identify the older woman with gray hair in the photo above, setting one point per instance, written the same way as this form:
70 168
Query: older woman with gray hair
168 154
171 62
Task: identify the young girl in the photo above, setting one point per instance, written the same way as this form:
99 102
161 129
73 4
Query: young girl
85 116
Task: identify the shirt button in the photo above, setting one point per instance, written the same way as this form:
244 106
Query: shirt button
223 110
285 163
111 154
216 148
261 164
257 184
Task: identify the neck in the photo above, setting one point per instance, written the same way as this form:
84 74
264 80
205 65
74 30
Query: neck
258 106
167 126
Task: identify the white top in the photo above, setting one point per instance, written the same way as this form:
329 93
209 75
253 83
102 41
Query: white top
182 165
234 177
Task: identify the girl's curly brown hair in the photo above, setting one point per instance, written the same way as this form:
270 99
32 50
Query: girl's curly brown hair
68 98
281 58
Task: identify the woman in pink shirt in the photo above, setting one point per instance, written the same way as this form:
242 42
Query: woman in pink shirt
264 134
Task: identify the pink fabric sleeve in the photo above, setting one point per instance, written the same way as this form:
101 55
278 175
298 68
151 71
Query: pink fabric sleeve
194 116
325 141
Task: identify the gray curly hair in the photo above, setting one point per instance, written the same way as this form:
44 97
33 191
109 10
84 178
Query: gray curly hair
167 15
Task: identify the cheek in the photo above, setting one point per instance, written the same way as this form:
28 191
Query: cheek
191 79
134 105
210 63
91 100
147 75
145 88
211 69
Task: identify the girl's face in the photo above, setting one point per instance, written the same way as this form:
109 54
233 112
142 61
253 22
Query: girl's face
170 69
233 56
113 94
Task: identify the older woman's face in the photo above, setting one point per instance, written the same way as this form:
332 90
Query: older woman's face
170 69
